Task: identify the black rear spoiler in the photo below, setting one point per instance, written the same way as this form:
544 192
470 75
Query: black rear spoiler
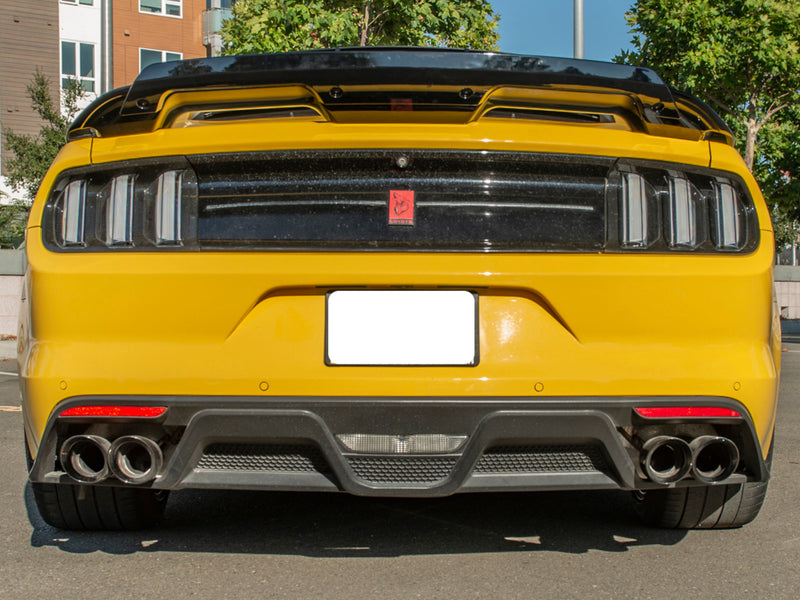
331 68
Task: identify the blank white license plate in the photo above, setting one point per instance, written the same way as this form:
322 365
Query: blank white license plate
409 327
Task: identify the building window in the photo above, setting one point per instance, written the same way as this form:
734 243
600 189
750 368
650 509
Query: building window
148 57
170 8
85 2
77 62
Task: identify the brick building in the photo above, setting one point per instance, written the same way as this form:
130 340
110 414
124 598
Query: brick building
148 31
102 43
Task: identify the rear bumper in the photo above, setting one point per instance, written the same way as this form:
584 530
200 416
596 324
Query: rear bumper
291 443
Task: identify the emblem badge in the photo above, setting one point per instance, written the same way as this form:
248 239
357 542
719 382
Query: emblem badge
401 207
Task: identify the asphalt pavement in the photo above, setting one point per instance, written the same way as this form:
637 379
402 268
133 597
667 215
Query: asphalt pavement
215 544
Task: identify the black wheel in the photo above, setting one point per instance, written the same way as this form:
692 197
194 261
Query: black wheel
706 507
89 507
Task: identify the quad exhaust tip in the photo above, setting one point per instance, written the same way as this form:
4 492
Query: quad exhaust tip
135 459
85 458
132 459
709 458
666 459
714 458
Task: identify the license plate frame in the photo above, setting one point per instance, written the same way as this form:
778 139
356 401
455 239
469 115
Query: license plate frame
401 328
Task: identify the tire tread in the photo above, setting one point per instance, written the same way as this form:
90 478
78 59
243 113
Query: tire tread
81 507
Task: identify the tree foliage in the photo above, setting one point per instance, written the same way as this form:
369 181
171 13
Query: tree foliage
34 153
778 174
284 25
13 218
743 58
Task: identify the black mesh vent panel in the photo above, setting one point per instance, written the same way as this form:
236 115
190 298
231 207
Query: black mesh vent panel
402 469
283 458
541 459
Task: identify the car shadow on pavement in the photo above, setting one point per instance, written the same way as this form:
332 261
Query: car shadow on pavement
340 525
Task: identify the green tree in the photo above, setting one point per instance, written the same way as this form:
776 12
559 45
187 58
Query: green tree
13 218
284 25
742 56
34 153
778 172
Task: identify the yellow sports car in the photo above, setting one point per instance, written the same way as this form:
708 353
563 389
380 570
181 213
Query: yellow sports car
398 272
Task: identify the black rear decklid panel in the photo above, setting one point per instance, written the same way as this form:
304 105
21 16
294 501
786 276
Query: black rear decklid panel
461 200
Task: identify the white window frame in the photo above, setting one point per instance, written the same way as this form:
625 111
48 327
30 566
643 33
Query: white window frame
78 2
163 55
77 57
163 12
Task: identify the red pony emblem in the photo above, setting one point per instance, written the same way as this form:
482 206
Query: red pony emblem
401 207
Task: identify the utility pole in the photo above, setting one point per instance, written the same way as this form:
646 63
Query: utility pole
106 47
577 42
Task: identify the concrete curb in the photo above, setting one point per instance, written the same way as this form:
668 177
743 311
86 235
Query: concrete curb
8 349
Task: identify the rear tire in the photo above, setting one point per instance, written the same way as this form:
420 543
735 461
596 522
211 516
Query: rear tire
706 507
92 508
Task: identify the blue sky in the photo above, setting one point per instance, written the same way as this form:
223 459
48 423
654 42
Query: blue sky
544 27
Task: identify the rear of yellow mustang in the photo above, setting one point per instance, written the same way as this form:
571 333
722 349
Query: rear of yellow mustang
398 273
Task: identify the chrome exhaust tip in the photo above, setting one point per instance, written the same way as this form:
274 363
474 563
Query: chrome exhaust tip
135 459
714 458
85 458
666 459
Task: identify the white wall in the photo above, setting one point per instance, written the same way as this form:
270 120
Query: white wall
788 294
10 293
81 23
9 194
787 291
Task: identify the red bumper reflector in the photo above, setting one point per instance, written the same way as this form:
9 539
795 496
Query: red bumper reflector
680 412
115 411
